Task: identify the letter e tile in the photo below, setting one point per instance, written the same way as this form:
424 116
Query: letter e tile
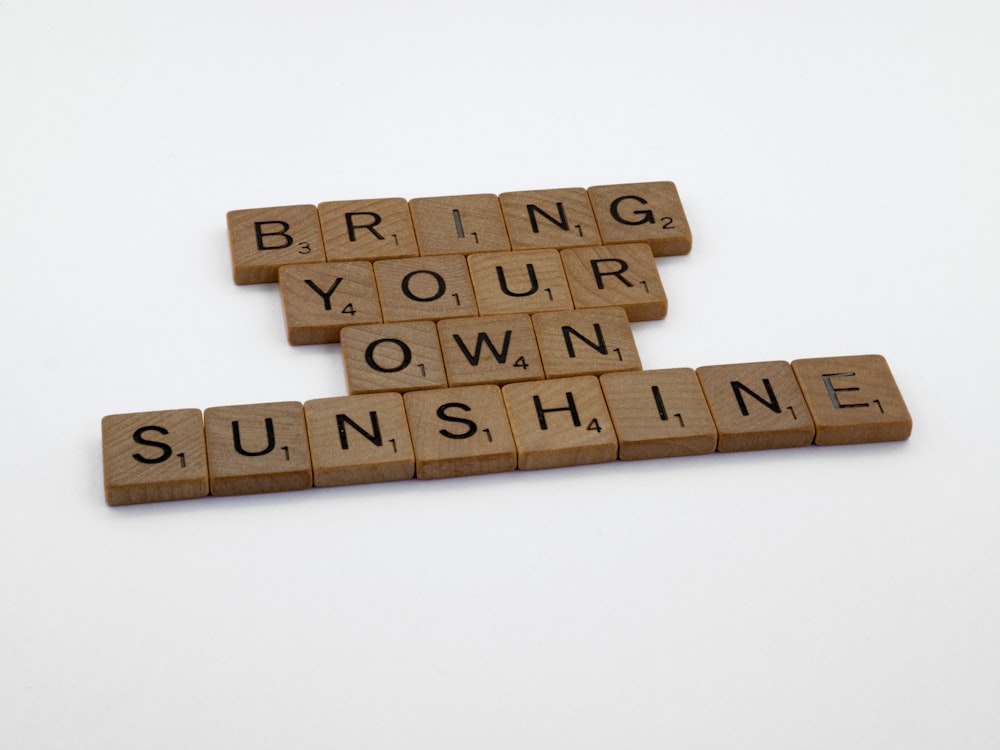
257 448
153 456
853 399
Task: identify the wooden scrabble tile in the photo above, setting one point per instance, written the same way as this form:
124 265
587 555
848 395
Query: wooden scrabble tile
623 276
261 240
460 431
429 288
359 439
392 357
367 229
649 212
562 422
153 456
756 406
549 219
491 349
853 399
585 342
524 282
321 298
659 413
257 448
459 224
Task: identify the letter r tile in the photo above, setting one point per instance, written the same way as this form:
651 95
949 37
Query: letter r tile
853 399
153 456
623 276
367 229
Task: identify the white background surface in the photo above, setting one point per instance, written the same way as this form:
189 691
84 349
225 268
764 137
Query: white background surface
838 164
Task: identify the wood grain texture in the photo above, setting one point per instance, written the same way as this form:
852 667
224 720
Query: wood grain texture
622 276
463 224
460 432
392 357
853 399
367 229
585 342
528 281
562 422
756 406
659 413
555 218
494 349
261 240
319 299
649 212
154 456
359 439
255 448
431 288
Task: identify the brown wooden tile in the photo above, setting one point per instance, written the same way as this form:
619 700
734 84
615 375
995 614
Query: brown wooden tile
649 212
367 229
491 349
459 224
257 448
557 218
562 422
659 413
321 298
359 439
853 399
392 357
585 342
460 431
756 406
429 288
523 282
622 276
153 456
261 240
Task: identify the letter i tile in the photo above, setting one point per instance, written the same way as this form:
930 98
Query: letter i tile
659 413
153 456
257 448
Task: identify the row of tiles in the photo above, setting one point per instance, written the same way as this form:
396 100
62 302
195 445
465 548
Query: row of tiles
450 432
321 299
264 239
